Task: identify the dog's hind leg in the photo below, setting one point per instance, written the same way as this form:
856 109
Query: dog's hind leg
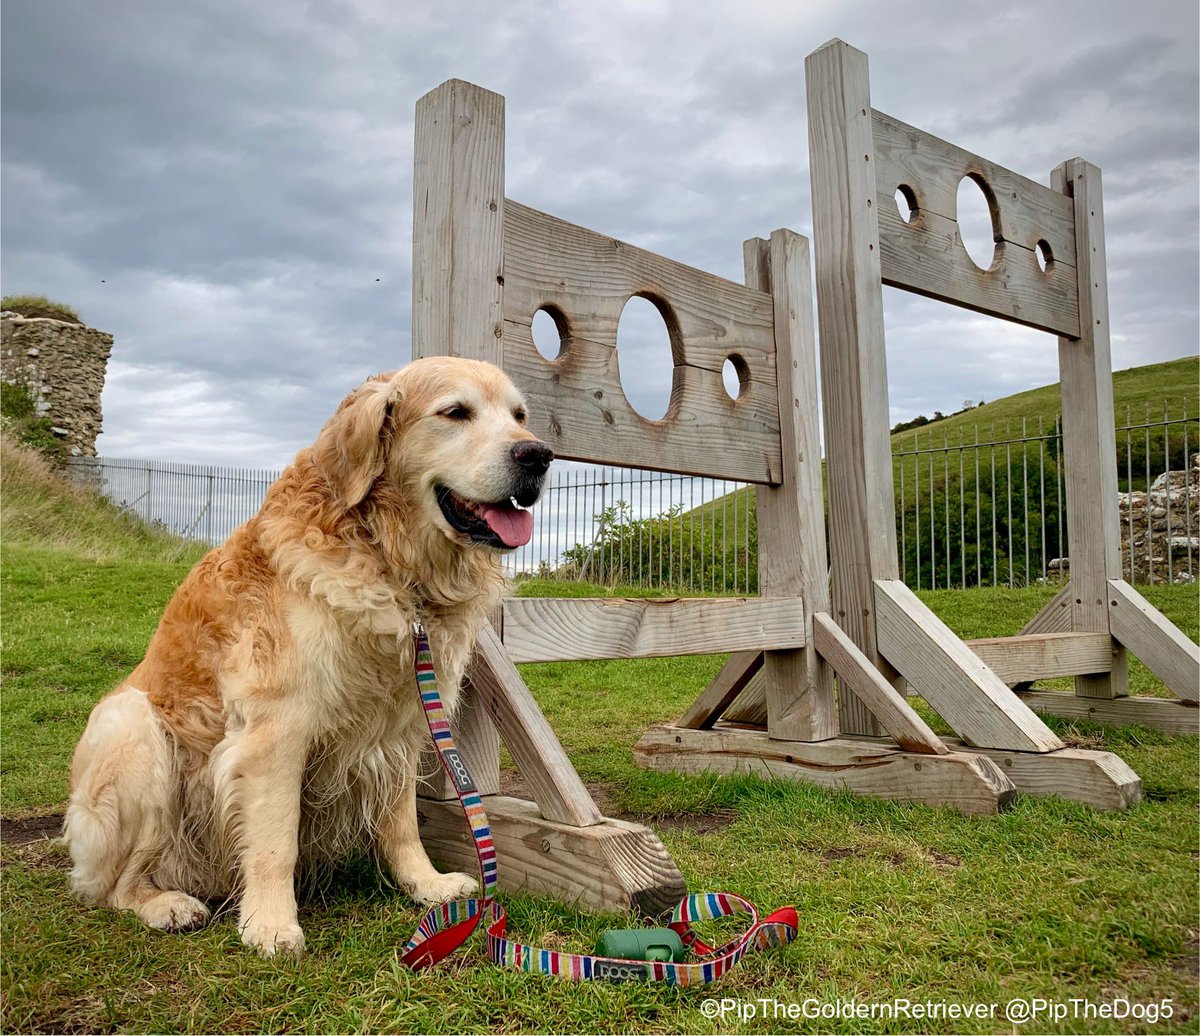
118 823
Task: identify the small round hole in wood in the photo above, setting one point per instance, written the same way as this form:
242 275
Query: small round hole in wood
978 222
906 203
1045 256
549 332
735 375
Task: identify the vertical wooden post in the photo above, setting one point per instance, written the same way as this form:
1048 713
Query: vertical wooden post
458 275
792 559
858 455
458 223
1089 438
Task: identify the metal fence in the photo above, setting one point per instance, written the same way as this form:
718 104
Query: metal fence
985 507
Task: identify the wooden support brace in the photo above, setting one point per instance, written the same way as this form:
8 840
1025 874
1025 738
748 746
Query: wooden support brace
612 866
888 705
966 781
1157 641
561 795
952 678
725 687
477 740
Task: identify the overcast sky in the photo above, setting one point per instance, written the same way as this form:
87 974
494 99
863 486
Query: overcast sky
227 187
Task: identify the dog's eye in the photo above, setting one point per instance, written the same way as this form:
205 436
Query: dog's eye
520 415
458 412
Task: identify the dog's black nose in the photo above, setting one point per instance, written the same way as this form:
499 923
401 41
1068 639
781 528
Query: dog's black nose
532 456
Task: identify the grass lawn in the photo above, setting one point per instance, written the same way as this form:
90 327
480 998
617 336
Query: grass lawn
1047 899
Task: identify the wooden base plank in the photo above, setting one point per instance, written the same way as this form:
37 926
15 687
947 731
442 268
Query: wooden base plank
614 865
970 783
1165 714
1099 779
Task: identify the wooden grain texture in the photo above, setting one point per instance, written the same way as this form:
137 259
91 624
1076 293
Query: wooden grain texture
712 702
611 866
1101 780
888 705
560 794
1043 656
577 404
926 254
1169 715
458 214
862 515
565 629
1157 641
1089 451
968 782
749 708
1054 616
792 553
477 740
955 681
458 219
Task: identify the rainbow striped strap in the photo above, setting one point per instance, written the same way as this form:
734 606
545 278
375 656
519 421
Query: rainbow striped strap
446 927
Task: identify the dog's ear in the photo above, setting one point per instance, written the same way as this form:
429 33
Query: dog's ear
351 450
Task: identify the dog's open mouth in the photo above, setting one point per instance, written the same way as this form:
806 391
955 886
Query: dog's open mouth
501 525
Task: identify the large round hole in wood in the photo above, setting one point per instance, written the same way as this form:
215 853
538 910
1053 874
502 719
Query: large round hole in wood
906 203
1045 256
547 329
735 375
976 221
644 358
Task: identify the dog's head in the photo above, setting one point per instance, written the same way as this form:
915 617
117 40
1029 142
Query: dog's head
448 435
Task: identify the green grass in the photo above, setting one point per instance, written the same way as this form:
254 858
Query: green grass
39 306
1047 899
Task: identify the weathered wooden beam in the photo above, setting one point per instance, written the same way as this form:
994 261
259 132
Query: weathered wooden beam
1043 656
1099 779
563 629
1157 641
968 782
792 556
952 678
725 687
612 866
576 401
1169 715
458 221
889 706
862 512
560 794
1089 450
925 253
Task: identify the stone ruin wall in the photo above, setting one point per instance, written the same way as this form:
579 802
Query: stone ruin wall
62 366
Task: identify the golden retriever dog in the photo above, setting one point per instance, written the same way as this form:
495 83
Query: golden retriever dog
274 723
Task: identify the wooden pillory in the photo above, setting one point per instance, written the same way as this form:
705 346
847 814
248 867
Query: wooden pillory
820 663
874 632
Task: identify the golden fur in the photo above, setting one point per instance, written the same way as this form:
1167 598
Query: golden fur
274 722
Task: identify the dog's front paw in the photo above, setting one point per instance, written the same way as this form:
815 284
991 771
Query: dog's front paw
273 940
442 888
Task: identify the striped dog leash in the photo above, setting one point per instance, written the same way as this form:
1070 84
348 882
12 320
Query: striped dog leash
448 926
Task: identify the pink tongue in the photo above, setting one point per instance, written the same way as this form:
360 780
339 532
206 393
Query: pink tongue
512 524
